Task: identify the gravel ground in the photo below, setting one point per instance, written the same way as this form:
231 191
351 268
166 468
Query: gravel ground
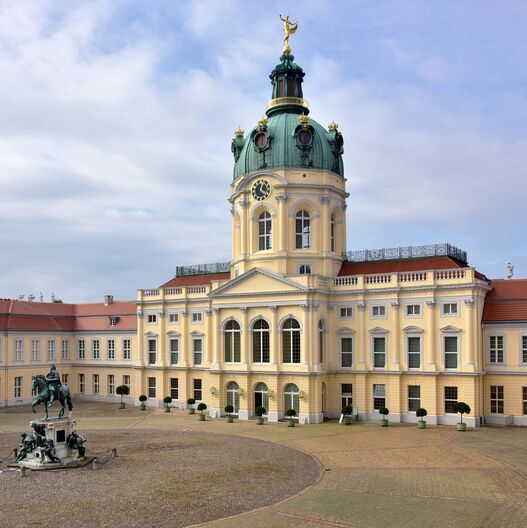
160 479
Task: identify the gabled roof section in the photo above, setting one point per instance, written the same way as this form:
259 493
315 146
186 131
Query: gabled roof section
195 280
506 302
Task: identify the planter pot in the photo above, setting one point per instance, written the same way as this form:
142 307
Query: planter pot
347 420
142 407
167 409
120 406
229 418
259 420
201 417
461 426
421 424
384 422
191 410
290 423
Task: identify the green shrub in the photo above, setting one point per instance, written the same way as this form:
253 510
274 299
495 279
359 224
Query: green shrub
461 408
142 398
421 412
201 407
260 411
384 411
229 409
191 401
290 413
347 410
167 399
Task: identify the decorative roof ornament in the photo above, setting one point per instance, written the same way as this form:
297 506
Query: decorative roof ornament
289 29
510 270
262 124
303 120
333 126
239 132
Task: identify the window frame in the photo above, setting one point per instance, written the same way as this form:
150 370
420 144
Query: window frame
497 399
65 349
305 269
444 337
110 349
174 388
173 353
195 352
35 349
413 306
82 383
523 349
346 397
374 337
412 398
111 383
451 401
232 342
265 231
127 350
302 236
173 318
18 350
197 391
343 353
378 307
152 386
345 315
52 349
81 349
96 383
17 386
262 342
197 318
495 350
408 353
151 353
295 333
444 313
377 403
151 319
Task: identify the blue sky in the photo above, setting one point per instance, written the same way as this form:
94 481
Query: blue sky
117 117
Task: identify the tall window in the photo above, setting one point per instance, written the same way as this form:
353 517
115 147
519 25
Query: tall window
347 394
379 352
260 341
414 397
96 384
450 399
496 399
303 230
198 389
379 396
111 384
346 352
261 396
111 348
496 349
291 341
19 344
35 350
126 380
524 349
174 351
82 383
265 231
65 349
127 348
414 352
233 396
18 386
81 348
51 349
291 398
232 342
95 349
524 399
197 349
451 352
332 233
152 387
152 351
321 339
174 388
65 379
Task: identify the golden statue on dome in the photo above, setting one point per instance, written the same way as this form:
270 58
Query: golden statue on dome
289 29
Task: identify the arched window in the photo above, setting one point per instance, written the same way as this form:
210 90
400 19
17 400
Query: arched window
265 226
233 396
291 398
261 341
321 341
291 341
332 232
261 396
232 342
303 230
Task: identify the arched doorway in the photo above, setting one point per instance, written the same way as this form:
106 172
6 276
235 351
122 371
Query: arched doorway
261 396
233 396
291 398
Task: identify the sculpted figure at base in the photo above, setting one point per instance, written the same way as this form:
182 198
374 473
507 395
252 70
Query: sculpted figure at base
75 441
26 446
49 388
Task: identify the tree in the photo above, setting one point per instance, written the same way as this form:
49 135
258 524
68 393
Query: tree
201 407
167 400
122 390
461 408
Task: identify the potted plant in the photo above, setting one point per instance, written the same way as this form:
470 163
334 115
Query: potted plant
384 412
142 399
291 413
201 407
259 411
229 409
421 413
167 400
347 411
461 408
191 402
122 390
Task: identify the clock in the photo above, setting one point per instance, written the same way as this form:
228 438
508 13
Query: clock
261 190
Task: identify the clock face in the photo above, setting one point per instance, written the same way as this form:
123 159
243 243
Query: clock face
261 190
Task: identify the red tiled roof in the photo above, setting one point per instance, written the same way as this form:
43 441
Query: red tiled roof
395 266
507 301
195 280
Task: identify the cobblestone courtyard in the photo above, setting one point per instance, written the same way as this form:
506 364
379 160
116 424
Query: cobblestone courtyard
175 471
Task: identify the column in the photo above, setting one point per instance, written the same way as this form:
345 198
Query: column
470 345
244 338
306 342
216 361
394 349
363 338
207 338
185 340
281 198
431 339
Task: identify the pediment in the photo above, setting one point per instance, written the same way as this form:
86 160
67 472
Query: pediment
258 281
345 330
413 330
378 330
172 333
151 334
450 329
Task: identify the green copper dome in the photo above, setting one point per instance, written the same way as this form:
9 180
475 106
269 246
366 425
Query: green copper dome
288 138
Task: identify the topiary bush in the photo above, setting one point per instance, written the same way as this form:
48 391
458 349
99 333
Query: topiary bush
461 408
260 411
142 399
347 410
122 390
229 409
191 402
421 412
201 407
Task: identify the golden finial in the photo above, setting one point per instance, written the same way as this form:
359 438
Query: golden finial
304 120
289 29
262 123
239 132
333 126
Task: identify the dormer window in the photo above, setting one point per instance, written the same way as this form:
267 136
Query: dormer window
112 320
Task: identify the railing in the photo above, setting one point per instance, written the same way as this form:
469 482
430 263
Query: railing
449 274
345 281
414 276
150 293
377 279
405 252
196 289
173 291
203 269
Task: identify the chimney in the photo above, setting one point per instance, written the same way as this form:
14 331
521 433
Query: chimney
108 299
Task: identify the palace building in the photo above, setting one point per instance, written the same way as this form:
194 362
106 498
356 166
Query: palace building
294 320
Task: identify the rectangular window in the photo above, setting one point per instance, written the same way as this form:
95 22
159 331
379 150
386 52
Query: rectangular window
413 310
82 383
111 384
346 352
174 388
524 349
346 312
65 349
378 311
95 349
96 383
496 349
414 397
81 348
173 318
451 352
197 317
450 309
65 379
174 351
19 344
524 399
304 269
197 348
198 389
51 349
347 394
379 397
152 318
110 346
127 349
450 399
414 352
379 352
151 387
126 380
152 351
35 350
496 399
18 386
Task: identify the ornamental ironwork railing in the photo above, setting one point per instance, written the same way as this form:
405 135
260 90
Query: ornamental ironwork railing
203 269
405 252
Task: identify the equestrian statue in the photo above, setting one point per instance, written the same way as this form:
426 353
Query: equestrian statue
50 388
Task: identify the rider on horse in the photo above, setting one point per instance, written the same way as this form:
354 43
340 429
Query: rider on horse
53 378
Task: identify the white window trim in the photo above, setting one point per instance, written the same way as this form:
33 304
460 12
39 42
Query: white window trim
503 335
407 352
202 339
443 314
174 337
122 348
347 318
385 316
200 313
148 315
108 349
379 332
520 348
170 314
311 267
413 316
451 334
347 335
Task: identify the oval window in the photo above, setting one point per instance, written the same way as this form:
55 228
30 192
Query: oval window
261 140
305 137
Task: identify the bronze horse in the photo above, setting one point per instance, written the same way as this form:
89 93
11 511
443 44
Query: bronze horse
41 385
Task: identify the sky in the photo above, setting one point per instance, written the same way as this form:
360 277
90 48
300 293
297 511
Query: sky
117 117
